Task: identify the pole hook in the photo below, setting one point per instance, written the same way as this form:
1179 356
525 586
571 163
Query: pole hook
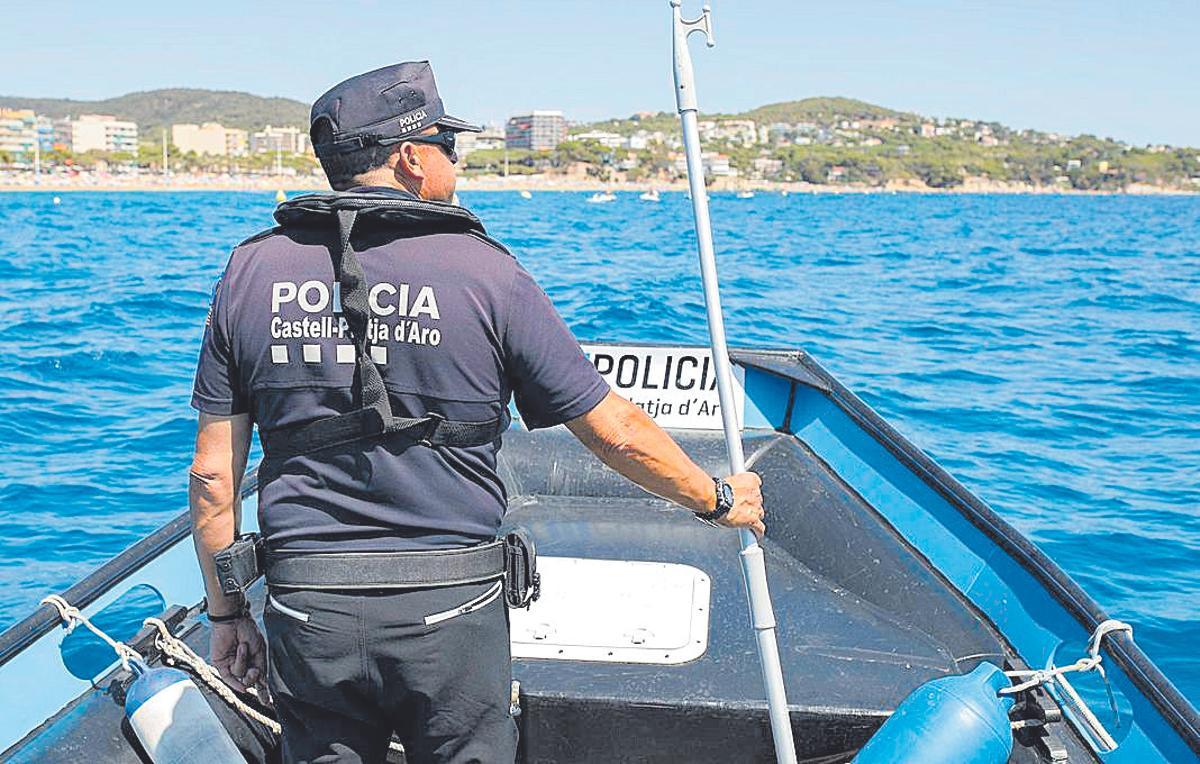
701 24
685 83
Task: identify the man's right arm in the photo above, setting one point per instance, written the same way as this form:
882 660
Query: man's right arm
622 436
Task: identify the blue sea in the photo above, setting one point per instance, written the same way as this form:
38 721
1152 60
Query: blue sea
1044 349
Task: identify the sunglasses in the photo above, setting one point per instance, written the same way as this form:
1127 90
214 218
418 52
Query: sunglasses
443 138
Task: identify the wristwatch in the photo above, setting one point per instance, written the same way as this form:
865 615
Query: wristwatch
724 503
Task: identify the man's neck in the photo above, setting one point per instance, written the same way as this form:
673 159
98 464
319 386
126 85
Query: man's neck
383 180
366 188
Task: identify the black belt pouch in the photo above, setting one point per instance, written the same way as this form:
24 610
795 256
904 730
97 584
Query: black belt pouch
522 584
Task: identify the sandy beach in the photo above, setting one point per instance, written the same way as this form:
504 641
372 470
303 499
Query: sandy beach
25 182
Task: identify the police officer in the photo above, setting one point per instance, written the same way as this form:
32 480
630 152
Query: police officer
375 337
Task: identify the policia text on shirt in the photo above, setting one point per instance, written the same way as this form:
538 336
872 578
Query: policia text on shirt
375 338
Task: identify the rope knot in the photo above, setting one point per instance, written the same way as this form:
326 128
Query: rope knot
72 616
1090 662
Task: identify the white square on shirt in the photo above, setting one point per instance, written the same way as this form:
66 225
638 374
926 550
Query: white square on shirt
345 354
279 354
312 353
378 354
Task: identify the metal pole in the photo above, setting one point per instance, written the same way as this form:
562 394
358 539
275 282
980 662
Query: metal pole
754 570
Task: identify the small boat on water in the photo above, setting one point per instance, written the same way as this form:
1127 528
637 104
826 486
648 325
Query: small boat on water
526 195
745 194
885 573
602 197
650 196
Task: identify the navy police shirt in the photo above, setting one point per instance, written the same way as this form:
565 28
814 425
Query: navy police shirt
457 326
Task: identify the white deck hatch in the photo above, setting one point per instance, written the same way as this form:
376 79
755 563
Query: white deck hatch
615 611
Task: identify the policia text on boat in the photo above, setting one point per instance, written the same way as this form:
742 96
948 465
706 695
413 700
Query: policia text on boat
379 499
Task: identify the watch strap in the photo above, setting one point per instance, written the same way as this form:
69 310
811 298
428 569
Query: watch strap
724 503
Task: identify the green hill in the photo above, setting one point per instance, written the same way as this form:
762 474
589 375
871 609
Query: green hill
820 110
838 141
153 109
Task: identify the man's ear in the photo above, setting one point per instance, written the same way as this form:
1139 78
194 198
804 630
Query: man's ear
405 162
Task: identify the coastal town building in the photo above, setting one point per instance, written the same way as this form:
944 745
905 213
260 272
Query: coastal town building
18 132
790 133
743 131
714 164
540 130
639 140
209 139
765 167
45 132
465 144
288 140
62 134
491 138
886 124
237 142
103 132
605 138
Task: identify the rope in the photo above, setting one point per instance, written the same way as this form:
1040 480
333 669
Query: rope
178 651
1090 663
72 617
175 650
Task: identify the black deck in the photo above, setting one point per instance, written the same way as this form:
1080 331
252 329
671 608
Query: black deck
855 630
862 621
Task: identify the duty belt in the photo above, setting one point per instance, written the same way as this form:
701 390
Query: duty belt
393 570
512 556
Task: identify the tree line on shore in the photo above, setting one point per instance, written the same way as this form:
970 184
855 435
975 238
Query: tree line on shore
821 141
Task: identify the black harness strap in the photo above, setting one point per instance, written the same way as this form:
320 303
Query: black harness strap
374 416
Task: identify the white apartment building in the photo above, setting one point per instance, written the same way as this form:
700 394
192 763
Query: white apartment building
289 140
208 138
103 132
714 164
211 139
490 138
743 131
603 137
237 142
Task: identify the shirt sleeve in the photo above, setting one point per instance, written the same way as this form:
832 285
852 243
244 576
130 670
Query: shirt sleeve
217 389
552 381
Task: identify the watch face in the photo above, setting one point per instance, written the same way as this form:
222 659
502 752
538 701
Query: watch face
726 495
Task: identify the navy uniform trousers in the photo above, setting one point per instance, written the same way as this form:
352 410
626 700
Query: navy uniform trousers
349 668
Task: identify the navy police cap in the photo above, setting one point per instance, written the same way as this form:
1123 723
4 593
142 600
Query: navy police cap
382 107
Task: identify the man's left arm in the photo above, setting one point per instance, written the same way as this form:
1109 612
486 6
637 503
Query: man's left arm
214 502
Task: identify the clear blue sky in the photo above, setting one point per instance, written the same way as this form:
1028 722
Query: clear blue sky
1119 68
